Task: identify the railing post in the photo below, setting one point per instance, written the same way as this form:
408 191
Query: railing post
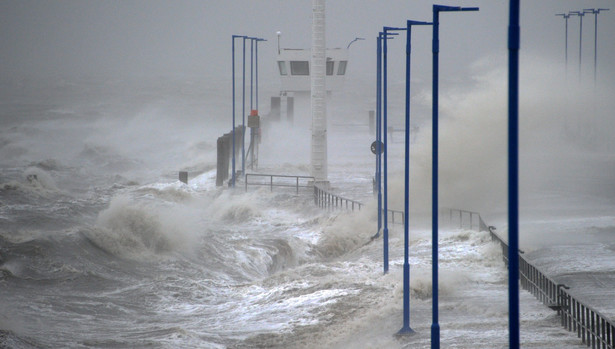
592 315
602 328
577 317
587 325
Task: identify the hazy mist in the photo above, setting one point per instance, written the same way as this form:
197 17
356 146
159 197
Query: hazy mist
140 38
565 125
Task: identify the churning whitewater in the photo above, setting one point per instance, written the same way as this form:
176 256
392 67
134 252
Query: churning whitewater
101 245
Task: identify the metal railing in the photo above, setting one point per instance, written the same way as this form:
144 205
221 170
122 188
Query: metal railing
594 329
395 213
281 181
466 219
327 200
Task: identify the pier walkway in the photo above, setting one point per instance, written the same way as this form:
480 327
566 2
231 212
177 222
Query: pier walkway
577 281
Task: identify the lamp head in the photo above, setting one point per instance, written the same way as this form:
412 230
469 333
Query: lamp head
442 8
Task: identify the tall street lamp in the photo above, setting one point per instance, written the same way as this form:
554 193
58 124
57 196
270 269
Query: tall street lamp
406 325
435 326
595 12
379 146
581 15
232 182
385 233
566 16
256 64
243 110
379 128
253 95
514 43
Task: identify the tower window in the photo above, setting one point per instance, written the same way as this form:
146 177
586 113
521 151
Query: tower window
282 66
300 67
341 69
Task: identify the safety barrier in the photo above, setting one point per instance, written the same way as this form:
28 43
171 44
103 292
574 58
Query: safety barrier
325 199
594 329
328 200
466 219
282 181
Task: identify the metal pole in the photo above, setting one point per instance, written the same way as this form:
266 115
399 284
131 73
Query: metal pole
279 33
566 16
566 45
514 41
385 232
435 327
379 128
251 148
406 301
243 112
233 130
581 15
595 12
256 73
595 44
254 131
251 73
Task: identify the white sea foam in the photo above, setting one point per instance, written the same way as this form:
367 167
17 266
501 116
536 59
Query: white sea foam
127 229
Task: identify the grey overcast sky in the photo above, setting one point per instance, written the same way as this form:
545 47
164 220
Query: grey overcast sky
185 38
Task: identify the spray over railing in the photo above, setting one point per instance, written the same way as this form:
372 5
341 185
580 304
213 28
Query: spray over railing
327 200
465 219
272 180
594 329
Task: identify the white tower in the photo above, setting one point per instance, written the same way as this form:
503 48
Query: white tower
318 157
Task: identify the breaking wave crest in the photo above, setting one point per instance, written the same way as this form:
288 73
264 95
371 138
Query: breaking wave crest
239 208
346 233
127 230
35 180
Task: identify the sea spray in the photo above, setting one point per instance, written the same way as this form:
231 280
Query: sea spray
129 229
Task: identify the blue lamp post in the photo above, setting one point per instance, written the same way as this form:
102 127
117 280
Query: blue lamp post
256 64
243 110
514 43
252 72
232 182
595 12
581 14
385 232
566 16
406 326
435 326
379 128
253 90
